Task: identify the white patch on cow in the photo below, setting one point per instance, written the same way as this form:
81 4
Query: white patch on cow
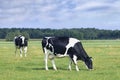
60 55
75 61
23 38
72 42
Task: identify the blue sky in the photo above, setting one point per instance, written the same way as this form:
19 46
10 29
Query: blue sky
57 14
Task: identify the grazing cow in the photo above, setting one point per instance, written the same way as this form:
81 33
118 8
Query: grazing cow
21 43
65 46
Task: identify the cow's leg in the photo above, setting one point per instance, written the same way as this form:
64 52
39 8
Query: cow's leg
75 61
53 63
46 61
25 51
69 67
21 52
46 58
16 51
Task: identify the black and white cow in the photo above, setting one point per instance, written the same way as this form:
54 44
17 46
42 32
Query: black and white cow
65 46
21 43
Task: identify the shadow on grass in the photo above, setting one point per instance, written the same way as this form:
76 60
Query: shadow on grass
59 69
38 68
28 68
22 69
43 69
50 68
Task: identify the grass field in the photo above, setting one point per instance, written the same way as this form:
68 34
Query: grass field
105 53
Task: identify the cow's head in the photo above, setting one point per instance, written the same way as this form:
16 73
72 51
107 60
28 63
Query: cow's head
89 63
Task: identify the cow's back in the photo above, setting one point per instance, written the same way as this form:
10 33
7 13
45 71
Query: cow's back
62 41
59 44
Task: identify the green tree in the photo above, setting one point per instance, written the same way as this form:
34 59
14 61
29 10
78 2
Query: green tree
17 32
10 36
25 34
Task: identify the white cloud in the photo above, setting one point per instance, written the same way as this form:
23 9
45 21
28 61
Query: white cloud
50 11
48 8
89 5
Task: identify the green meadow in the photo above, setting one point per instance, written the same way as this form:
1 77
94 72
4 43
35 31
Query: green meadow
105 54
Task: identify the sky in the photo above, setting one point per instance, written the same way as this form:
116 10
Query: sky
59 14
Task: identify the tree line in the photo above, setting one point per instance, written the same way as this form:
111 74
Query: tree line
80 33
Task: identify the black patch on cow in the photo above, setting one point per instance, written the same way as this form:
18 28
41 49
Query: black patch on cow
59 44
80 51
44 42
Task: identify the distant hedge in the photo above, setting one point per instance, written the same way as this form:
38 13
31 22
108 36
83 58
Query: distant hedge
80 33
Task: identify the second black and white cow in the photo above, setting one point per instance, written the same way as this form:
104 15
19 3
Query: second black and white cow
21 43
65 46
